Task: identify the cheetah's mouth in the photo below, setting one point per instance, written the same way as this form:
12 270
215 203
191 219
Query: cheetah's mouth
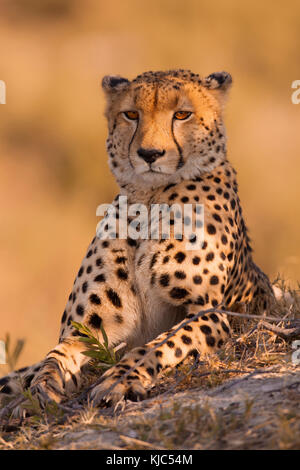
155 171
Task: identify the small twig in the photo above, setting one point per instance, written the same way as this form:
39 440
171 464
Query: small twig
285 333
132 440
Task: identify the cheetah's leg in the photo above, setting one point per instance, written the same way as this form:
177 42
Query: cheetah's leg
60 372
204 335
103 295
56 377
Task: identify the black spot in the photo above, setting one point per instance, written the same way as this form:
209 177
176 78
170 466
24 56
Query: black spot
210 340
170 344
153 260
121 259
196 260
184 199
114 298
64 316
186 339
214 317
225 327
131 242
173 196
95 321
224 239
178 352
164 280
95 299
122 274
178 293
166 259
214 280
89 253
180 274
210 256
205 329
211 229
89 269
100 278
169 247
99 262
118 318
169 186
158 353
80 272
200 301
142 351
191 187
80 310
84 287
197 279
217 217
180 256
188 328
150 371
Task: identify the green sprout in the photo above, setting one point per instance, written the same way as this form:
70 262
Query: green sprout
101 355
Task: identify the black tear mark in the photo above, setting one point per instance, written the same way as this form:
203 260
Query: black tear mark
180 161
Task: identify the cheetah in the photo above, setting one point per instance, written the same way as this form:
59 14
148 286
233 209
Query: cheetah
166 144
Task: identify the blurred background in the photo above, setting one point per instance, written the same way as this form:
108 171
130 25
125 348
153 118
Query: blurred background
53 165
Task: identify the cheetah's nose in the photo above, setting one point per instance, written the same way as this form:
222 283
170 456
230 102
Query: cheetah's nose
150 155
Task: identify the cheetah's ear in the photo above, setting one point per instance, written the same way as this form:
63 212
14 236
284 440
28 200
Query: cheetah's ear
218 81
114 83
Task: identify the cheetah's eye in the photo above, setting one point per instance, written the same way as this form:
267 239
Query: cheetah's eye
182 115
131 115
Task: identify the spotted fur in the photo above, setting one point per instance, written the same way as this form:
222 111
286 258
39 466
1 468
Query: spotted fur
140 290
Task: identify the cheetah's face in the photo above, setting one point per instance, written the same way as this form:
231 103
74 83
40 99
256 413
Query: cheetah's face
165 125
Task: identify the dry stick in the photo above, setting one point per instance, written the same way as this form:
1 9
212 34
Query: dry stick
285 333
170 335
132 440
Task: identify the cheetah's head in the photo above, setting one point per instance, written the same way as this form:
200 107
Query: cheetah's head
165 126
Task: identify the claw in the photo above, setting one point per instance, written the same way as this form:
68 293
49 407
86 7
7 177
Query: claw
120 404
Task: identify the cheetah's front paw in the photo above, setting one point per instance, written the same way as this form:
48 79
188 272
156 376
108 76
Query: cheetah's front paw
108 394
